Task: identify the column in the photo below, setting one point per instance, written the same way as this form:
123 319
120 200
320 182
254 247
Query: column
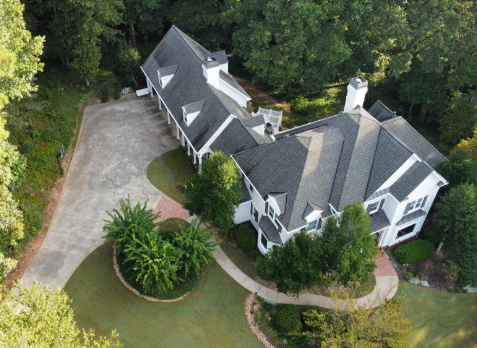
148 85
168 117
200 163
183 139
152 90
177 128
160 103
188 148
195 158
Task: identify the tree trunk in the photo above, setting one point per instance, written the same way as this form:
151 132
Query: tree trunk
31 123
410 110
133 35
441 244
422 114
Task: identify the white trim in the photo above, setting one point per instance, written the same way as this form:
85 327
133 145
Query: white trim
214 136
235 89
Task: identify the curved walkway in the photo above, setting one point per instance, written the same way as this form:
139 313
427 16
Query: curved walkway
386 276
118 141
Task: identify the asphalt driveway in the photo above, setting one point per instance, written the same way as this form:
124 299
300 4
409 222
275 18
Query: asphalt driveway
117 143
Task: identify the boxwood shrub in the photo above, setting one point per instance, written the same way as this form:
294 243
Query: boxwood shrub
287 320
246 238
414 251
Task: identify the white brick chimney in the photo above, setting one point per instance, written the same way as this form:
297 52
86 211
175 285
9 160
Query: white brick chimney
357 88
211 70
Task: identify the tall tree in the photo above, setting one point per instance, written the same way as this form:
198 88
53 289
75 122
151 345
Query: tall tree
78 25
146 14
289 44
38 317
460 119
459 169
349 245
456 216
216 192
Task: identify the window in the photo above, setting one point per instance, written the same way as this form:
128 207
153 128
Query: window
271 212
405 231
373 208
264 241
311 226
415 204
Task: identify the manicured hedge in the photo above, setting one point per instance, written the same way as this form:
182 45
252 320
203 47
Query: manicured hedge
246 238
287 320
414 251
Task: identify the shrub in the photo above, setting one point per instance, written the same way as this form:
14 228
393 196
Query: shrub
104 92
287 320
246 238
409 275
263 268
451 271
300 105
433 234
467 262
26 147
414 251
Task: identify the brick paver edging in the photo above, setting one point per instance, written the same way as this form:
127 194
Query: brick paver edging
129 287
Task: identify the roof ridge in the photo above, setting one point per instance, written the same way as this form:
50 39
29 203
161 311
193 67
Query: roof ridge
178 31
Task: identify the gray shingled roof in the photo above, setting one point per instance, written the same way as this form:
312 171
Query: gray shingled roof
381 112
255 121
232 82
194 107
245 193
281 198
416 174
271 232
303 166
379 220
170 70
415 141
189 86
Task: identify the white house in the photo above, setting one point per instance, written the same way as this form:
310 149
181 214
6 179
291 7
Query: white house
293 180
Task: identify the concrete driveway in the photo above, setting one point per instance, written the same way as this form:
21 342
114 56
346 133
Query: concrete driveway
117 143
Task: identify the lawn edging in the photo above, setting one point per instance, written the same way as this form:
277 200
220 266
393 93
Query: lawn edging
263 339
137 293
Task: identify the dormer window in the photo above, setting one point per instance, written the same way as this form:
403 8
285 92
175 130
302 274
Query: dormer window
166 74
191 111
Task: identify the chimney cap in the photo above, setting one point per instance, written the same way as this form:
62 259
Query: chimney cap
358 82
210 62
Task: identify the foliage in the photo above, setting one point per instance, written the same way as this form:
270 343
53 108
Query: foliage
409 275
451 271
153 263
459 169
460 119
129 61
147 15
216 192
349 245
467 261
433 234
384 326
264 267
287 320
40 317
196 244
246 238
456 216
470 145
19 53
6 265
297 265
104 92
414 251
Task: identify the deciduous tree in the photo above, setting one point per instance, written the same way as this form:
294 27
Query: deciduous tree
460 118
349 245
459 168
216 192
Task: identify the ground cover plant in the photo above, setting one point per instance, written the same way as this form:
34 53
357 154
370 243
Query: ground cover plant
151 262
414 251
211 316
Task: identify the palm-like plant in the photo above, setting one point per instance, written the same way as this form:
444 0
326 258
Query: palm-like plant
196 244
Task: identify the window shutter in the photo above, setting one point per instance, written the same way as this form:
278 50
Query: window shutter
381 204
266 208
407 208
423 202
319 224
256 215
251 208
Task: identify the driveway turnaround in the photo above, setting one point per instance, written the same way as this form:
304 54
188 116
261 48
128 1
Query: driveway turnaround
118 140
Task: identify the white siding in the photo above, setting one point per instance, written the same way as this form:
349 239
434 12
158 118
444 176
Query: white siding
242 212
233 93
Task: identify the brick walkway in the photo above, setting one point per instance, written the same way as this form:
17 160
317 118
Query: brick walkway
385 268
170 209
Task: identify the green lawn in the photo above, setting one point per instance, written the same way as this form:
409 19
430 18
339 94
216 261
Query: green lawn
160 176
438 318
211 316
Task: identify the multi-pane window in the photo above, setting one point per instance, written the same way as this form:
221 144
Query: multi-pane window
264 241
415 204
311 226
374 207
271 212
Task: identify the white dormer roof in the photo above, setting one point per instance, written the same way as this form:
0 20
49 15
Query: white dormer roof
166 74
190 111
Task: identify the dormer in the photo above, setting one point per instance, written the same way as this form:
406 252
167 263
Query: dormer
275 206
211 70
312 215
166 74
190 111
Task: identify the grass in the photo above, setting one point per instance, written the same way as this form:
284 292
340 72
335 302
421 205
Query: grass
182 168
211 316
39 126
439 319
